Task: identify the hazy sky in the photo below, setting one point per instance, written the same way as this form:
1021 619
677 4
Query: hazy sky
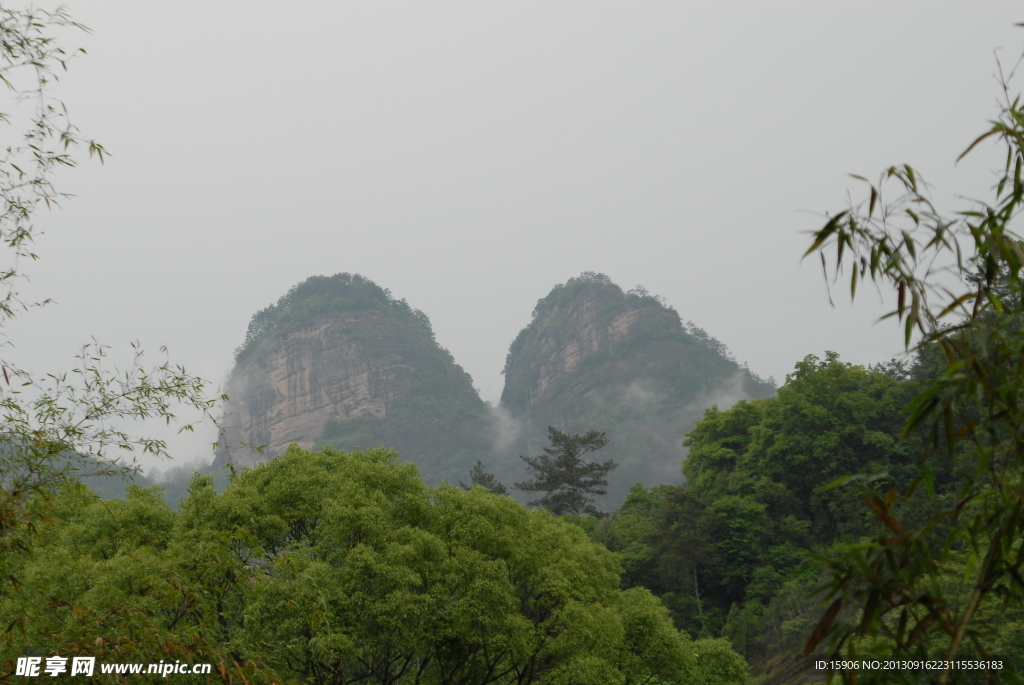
469 156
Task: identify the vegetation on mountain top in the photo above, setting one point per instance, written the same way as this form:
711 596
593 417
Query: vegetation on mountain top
557 316
325 295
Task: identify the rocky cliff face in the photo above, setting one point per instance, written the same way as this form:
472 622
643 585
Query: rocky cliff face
597 358
340 362
561 335
325 370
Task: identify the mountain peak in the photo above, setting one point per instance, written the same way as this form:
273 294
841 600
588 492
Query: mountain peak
339 361
596 357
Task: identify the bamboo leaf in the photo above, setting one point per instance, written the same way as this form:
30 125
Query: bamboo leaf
882 512
1016 178
908 330
910 175
908 242
823 625
954 304
977 140
838 482
825 232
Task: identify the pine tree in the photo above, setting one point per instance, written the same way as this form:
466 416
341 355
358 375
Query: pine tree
569 481
477 476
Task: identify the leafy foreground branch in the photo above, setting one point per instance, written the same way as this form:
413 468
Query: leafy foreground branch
959 286
63 427
56 427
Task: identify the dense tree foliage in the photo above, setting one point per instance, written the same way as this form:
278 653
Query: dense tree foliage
334 567
728 551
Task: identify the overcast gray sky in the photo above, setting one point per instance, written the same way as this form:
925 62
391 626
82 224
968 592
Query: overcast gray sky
469 156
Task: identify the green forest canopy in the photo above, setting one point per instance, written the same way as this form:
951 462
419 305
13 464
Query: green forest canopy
342 567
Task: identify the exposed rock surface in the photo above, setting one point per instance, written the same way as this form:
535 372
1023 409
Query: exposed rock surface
597 358
344 356
559 337
339 361
308 375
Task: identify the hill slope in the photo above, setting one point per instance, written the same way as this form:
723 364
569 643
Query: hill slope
597 358
339 361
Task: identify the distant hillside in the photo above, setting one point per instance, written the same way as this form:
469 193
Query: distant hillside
597 358
339 361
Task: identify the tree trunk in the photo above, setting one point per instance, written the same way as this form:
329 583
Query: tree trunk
696 591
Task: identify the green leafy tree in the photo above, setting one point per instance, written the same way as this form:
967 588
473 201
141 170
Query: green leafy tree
334 567
127 580
831 419
687 543
371 575
958 282
569 481
727 552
